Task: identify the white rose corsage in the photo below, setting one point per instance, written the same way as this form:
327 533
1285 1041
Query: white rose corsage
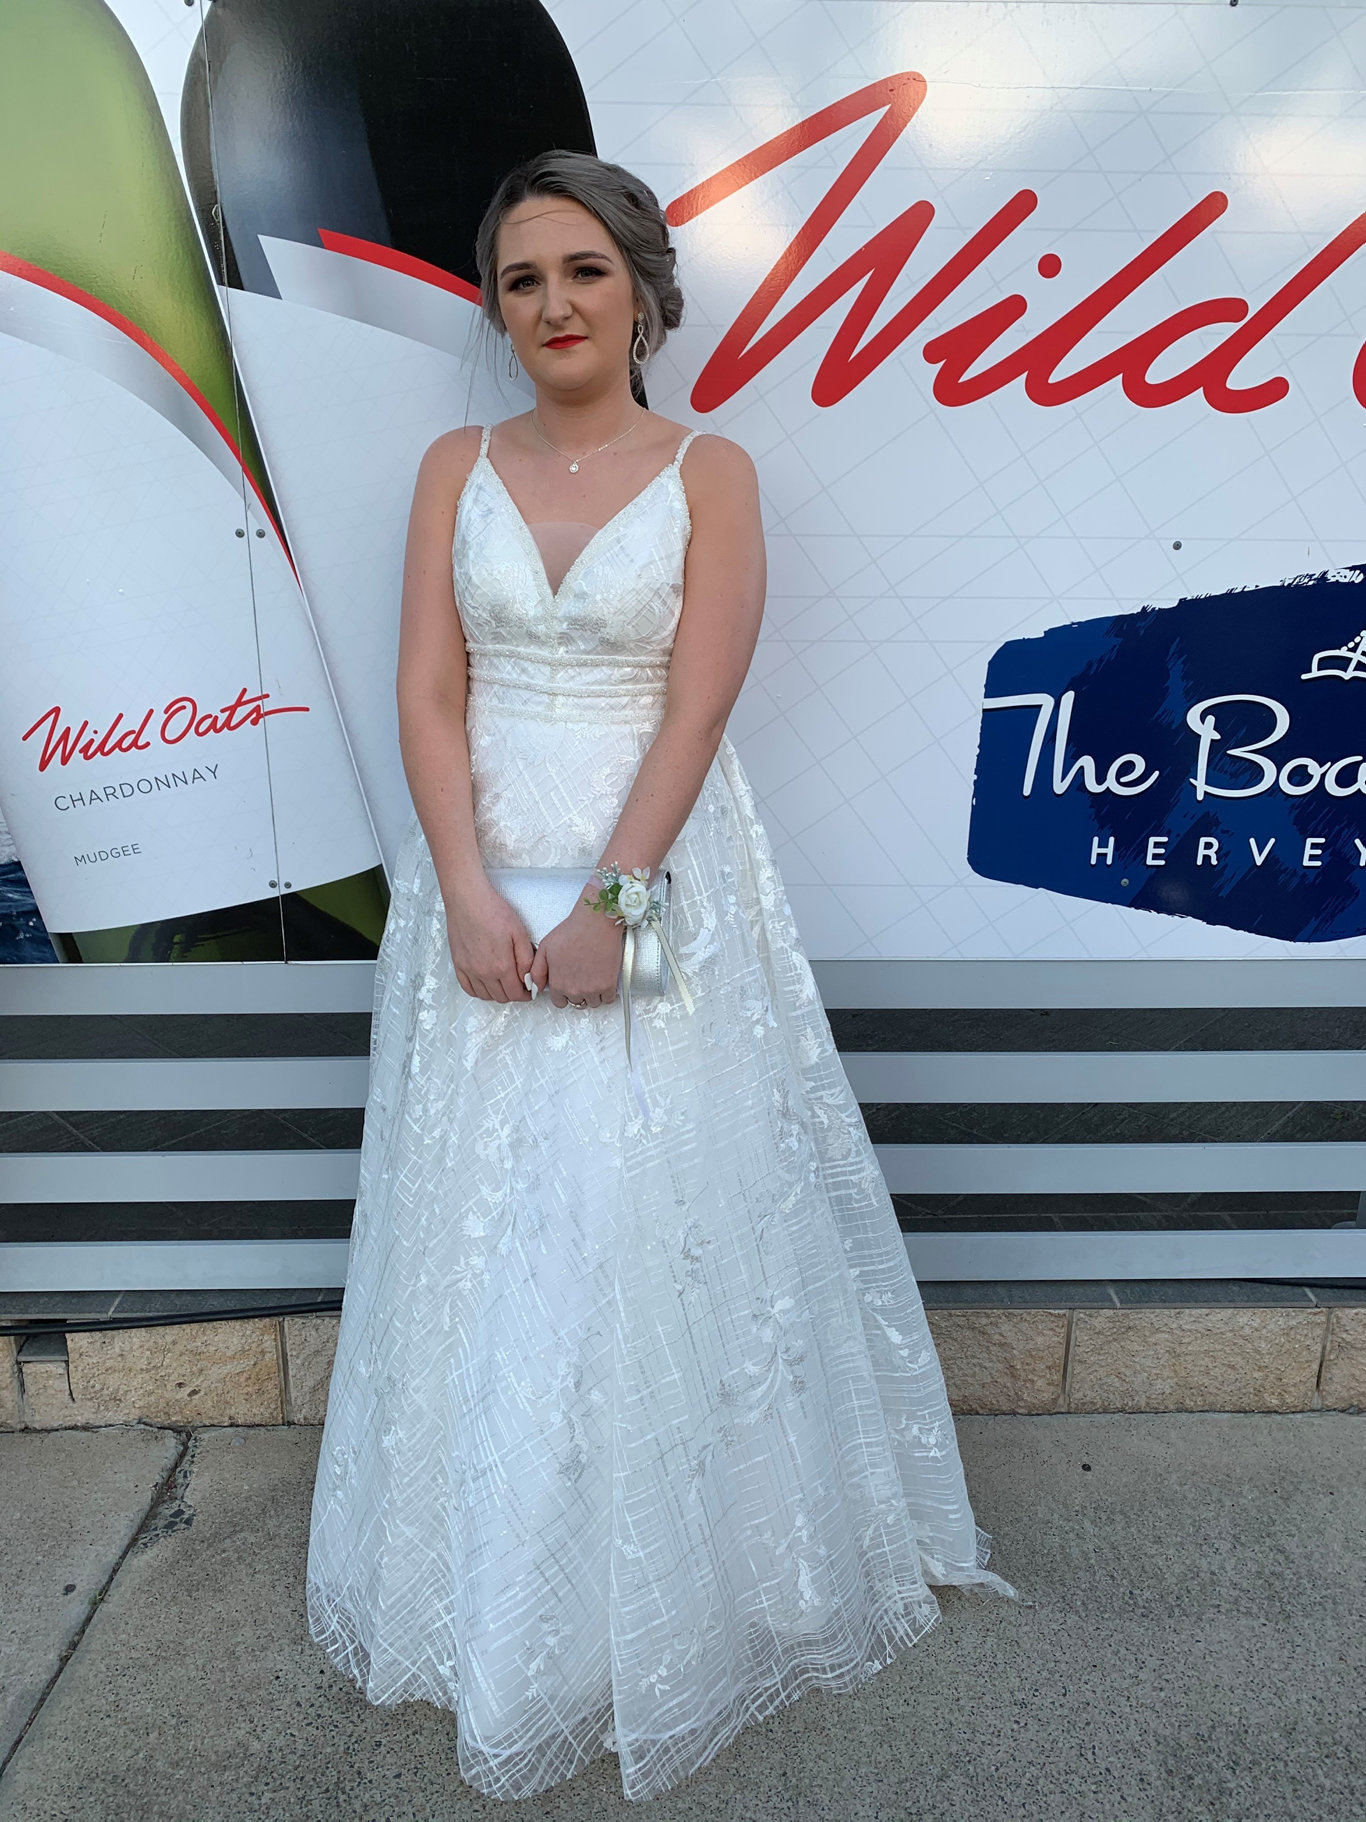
626 898
629 899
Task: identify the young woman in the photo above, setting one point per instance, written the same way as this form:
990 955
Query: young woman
636 1430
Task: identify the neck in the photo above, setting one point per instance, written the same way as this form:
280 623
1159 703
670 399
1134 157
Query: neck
579 423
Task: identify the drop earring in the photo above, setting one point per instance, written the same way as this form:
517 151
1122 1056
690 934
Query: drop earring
640 348
513 368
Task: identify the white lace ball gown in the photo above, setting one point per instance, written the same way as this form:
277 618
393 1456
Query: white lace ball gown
636 1429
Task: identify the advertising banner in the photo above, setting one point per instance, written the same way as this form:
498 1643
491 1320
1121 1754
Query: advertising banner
173 765
1042 323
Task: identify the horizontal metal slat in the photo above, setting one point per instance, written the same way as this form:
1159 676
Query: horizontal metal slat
1069 1170
179 1176
155 988
160 1084
994 986
929 1078
172 1265
999 1077
233 1265
1313 1253
285 1176
279 987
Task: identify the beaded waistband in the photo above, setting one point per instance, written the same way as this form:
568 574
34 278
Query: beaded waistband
609 685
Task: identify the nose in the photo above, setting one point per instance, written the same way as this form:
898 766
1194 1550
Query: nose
557 306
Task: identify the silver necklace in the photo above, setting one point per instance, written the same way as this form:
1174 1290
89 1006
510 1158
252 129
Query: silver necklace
574 461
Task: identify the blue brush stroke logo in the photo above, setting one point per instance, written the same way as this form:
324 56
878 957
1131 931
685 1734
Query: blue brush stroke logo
1206 760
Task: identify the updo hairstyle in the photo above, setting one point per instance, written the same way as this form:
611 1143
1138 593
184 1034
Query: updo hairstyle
627 208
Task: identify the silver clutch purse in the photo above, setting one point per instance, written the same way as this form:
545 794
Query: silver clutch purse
544 896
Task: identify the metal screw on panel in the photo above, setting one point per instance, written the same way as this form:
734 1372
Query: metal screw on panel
1176 545
260 534
240 533
289 885
273 884
1124 882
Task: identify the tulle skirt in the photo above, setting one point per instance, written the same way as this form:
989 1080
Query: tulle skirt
636 1430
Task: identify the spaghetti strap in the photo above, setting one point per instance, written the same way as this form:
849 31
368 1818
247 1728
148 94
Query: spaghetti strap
485 434
682 449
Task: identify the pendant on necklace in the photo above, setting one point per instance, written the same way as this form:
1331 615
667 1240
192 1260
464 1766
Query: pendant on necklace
573 468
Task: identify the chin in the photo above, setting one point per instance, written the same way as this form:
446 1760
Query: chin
568 376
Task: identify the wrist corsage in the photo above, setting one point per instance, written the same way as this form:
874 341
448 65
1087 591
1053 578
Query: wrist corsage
627 898
630 899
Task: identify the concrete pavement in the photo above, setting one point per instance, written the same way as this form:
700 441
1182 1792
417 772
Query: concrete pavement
1189 1647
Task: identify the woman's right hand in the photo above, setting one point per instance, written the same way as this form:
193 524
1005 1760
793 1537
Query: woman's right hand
489 944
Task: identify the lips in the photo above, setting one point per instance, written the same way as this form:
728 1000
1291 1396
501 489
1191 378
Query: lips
566 341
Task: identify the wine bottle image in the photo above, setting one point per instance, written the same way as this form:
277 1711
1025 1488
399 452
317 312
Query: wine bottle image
173 766
340 157
22 936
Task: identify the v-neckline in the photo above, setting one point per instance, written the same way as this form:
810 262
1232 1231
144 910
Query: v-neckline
553 594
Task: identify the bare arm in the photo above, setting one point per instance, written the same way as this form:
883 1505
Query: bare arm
723 604
723 582
489 943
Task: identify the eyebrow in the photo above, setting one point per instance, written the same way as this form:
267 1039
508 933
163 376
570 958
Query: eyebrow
526 265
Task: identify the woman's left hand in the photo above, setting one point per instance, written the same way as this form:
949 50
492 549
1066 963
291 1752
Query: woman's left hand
580 959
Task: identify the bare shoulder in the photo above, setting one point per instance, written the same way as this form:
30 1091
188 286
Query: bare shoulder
441 476
715 468
453 453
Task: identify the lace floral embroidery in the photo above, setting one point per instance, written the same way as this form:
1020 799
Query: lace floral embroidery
633 1426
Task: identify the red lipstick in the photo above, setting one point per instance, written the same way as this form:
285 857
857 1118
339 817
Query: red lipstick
565 341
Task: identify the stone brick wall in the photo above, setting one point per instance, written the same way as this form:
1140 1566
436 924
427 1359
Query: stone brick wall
275 1370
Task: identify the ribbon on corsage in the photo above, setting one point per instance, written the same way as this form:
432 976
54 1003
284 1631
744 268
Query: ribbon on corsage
629 899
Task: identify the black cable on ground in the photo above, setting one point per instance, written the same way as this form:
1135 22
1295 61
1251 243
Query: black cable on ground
48 1325
62 1325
